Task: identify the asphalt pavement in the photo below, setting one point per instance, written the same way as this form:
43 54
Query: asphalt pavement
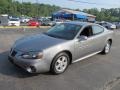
100 72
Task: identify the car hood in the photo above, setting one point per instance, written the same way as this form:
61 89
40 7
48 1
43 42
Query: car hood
36 43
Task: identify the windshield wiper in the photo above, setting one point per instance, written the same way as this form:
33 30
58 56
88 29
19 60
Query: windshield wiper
50 35
55 36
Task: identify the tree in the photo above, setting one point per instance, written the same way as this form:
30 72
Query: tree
37 10
112 14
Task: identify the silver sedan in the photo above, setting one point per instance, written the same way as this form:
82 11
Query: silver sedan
62 45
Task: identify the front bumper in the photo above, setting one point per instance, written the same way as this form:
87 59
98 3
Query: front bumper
31 66
13 24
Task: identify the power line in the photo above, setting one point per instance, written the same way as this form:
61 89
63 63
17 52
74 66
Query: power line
85 2
82 2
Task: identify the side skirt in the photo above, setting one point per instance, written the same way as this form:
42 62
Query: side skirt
86 57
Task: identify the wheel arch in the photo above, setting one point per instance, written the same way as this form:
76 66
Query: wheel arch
64 51
110 40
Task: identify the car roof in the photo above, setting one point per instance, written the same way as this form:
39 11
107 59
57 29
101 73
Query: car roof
79 23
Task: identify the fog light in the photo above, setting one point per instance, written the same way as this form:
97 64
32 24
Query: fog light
31 69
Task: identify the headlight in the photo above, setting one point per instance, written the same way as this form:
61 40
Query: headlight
32 55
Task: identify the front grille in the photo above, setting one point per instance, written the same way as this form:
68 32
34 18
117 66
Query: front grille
13 53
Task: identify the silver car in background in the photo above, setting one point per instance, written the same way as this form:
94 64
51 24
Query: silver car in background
62 45
107 25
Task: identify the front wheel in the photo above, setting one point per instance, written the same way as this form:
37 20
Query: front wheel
60 63
107 48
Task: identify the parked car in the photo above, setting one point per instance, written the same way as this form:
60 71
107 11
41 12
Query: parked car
58 21
62 45
14 22
117 25
51 23
34 23
46 22
24 20
107 25
4 20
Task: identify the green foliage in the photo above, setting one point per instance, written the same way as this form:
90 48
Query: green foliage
4 5
13 7
112 14
26 8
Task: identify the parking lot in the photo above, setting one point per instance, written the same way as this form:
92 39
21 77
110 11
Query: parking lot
100 72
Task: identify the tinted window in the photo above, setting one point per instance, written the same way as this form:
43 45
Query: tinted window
97 29
64 31
87 31
14 19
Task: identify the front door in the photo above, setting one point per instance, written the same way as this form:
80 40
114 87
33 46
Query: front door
85 47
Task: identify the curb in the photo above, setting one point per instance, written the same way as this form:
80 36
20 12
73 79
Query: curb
15 27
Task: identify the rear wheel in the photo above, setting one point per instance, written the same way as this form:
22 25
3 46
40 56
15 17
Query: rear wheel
107 47
60 63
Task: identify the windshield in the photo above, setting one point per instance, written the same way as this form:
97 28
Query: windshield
64 31
14 19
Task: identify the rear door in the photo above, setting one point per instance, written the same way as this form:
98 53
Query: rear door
98 37
94 42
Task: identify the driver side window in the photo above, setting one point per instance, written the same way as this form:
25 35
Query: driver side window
87 31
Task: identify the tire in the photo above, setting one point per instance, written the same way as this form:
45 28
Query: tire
107 27
107 48
60 63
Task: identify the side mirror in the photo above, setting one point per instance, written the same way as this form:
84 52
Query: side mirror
82 38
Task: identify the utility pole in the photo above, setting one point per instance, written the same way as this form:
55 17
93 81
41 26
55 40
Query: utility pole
13 1
22 8
37 8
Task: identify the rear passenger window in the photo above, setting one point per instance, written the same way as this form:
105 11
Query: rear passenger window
97 29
